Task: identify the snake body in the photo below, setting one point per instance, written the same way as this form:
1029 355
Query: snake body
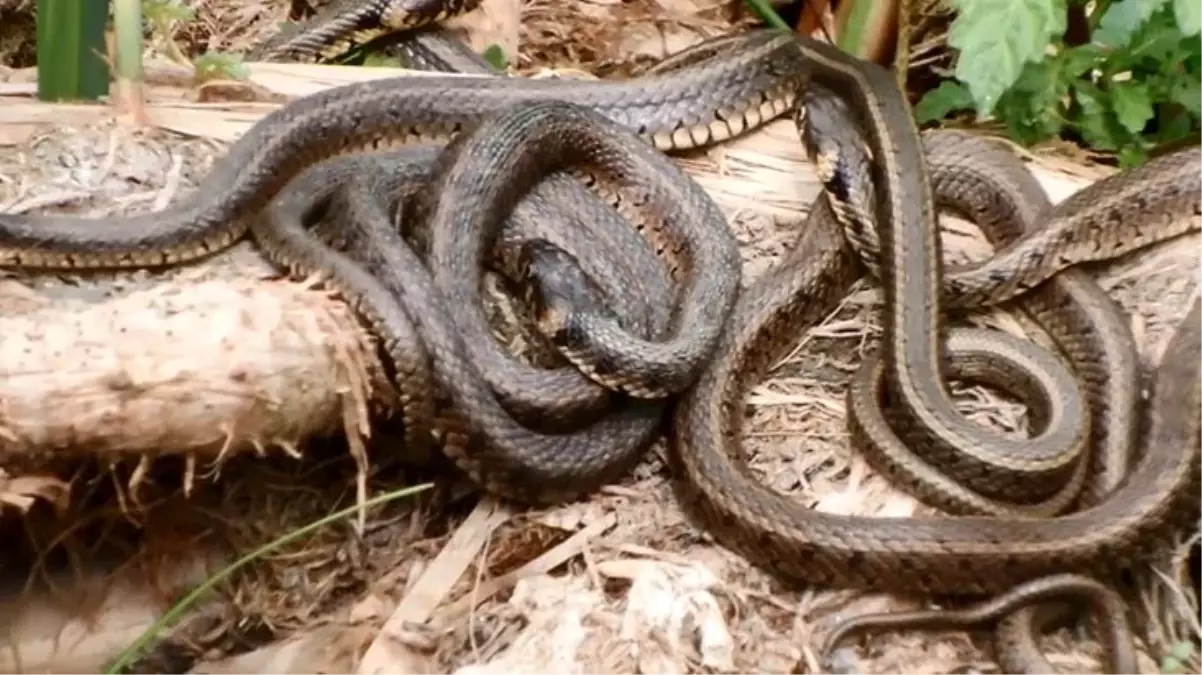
714 101
1147 204
932 422
970 555
1016 651
560 465
988 184
344 24
699 100
741 91
992 188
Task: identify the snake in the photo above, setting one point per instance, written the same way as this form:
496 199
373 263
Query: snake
376 115
345 24
972 555
710 101
995 276
504 457
335 195
564 213
717 99
988 184
1015 648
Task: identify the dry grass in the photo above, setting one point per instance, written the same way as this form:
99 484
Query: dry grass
475 590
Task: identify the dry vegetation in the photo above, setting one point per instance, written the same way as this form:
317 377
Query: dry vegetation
439 582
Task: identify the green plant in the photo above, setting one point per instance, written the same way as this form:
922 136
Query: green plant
135 649
1133 85
71 50
1177 659
763 8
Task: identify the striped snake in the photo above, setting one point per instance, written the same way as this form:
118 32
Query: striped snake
1088 326
694 103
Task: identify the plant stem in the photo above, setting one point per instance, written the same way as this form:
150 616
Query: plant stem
71 49
764 9
127 24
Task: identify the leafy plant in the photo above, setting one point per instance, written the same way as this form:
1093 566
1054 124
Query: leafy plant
1135 84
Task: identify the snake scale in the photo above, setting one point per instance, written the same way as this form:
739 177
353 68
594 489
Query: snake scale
696 102
1105 348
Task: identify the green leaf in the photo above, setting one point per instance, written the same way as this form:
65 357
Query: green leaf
70 50
1189 16
374 60
1132 105
1154 46
495 56
937 103
1174 125
1032 108
1131 155
996 38
1187 93
214 65
164 11
1076 61
1177 658
1096 122
1121 21
1192 63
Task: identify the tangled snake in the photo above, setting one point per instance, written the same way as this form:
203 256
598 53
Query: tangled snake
712 100
701 102
989 185
1092 332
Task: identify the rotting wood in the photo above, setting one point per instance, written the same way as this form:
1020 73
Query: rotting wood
203 369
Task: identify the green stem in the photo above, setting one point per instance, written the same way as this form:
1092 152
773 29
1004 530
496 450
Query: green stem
855 37
1099 10
126 657
764 9
127 24
71 49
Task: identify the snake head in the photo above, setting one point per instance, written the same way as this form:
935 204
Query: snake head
414 13
842 158
556 287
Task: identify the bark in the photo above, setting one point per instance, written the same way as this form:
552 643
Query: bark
203 368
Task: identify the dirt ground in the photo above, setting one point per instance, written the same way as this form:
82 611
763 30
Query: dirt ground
622 582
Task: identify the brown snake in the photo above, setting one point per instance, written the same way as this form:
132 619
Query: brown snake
1118 429
991 187
344 24
1016 650
716 99
524 144
970 555
914 553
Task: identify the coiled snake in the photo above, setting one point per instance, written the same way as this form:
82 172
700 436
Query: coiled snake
1102 351
701 102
